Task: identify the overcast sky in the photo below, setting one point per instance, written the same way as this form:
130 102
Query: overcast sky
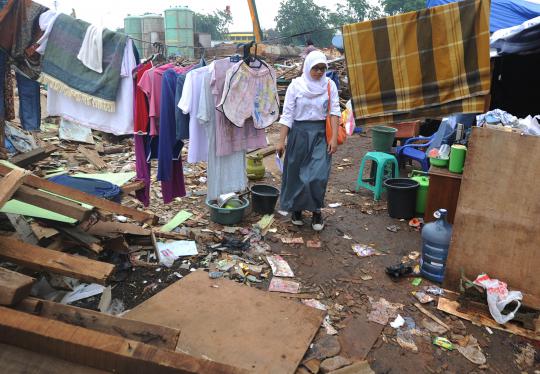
111 13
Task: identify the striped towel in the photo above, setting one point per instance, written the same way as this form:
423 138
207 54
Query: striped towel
421 64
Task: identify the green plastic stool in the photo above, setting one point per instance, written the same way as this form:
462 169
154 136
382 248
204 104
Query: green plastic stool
387 167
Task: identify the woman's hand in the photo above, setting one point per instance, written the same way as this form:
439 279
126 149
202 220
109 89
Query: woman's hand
280 148
332 146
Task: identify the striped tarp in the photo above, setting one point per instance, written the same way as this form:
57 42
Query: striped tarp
421 64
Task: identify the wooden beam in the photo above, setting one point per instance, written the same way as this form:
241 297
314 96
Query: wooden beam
156 335
42 259
10 183
52 202
13 286
107 205
79 236
97 349
24 159
132 187
92 156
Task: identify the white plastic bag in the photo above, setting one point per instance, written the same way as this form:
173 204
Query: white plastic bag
498 297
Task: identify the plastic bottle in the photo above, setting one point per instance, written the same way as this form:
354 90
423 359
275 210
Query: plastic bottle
435 244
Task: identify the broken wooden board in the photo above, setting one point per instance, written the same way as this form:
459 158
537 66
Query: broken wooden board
113 229
82 197
23 228
354 347
451 307
96 349
92 156
132 187
14 286
24 159
10 183
52 203
37 258
496 225
234 324
156 335
80 237
16 360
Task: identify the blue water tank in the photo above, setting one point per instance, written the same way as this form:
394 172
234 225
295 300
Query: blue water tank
435 244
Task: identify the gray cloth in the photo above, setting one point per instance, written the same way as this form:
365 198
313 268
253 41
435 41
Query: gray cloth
306 168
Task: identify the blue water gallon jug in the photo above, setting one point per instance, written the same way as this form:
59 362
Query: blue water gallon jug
435 243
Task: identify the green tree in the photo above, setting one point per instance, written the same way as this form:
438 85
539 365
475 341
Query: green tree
216 24
401 6
353 11
299 16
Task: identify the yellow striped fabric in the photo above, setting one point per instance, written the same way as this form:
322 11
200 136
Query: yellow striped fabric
421 64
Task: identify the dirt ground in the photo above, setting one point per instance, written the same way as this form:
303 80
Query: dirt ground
333 273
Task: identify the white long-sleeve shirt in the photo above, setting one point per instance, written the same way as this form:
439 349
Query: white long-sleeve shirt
298 107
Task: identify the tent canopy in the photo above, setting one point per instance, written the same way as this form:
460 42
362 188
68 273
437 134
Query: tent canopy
504 13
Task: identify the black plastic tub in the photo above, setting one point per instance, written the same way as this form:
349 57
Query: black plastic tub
264 198
401 197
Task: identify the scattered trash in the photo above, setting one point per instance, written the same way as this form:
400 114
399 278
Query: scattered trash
489 330
313 243
399 270
122 219
299 240
398 322
472 351
314 304
498 297
382 311
330 330
283 213
393 228
82 291
346 236
215 274
335 205
106 299
283 285
404 335
366 277
433 327
423 297
416 222
169 251
178 219
414 255
525 358
443 343
416 282
280 267
363 250
434 290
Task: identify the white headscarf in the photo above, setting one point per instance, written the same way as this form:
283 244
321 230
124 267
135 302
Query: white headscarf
309 86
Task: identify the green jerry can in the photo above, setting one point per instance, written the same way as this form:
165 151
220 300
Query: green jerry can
255 167
421 196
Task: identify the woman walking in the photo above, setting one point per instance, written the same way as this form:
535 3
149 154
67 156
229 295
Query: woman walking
308 158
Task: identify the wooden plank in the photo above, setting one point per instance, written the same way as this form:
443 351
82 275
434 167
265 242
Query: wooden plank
13 286
92 156
156 335
206 311
107 205
51 202
16 360
37 258
113 229
24 159
97 349
496 225
79 236
10 183
451 307
132 187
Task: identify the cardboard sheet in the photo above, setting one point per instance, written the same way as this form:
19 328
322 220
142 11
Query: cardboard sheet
233 324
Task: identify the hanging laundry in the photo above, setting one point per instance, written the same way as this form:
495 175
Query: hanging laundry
230 138
170 171
91 52
119 122
141 101
227 173
19 22
250 92
416 65
189 104
182 119
62 71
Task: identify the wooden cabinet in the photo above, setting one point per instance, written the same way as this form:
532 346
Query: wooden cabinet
443 193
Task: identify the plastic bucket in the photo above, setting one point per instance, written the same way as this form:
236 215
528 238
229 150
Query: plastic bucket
421 196
401 197
225 216
382 138
264 198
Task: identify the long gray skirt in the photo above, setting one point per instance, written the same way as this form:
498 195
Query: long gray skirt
306 168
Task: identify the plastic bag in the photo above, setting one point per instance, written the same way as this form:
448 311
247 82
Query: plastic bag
347 117
498 297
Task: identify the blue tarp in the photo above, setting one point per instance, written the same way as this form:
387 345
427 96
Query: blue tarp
504 13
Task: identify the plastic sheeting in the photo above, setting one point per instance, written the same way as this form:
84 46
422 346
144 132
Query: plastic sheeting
504 13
